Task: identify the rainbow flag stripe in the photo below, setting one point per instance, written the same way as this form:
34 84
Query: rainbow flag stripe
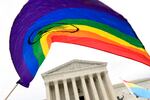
138 90
83 22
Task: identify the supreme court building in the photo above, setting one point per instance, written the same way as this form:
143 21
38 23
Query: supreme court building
79 80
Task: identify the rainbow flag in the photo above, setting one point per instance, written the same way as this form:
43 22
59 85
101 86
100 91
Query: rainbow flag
88 23
137 90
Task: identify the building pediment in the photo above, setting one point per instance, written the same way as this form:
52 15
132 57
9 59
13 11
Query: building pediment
75 65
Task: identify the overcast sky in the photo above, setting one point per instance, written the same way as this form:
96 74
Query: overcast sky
137 13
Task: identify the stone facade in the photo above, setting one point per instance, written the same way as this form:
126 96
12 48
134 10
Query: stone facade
79 80
85 80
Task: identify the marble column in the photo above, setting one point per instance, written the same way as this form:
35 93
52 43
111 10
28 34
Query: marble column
57 93
94 91
101 86
85 90
66 90
75 89
108 84
48 92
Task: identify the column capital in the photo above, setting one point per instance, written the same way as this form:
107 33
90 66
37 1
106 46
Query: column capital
73 78
90 75
82 77
55 82
46 83
64 80
106 72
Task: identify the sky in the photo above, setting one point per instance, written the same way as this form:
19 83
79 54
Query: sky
137 13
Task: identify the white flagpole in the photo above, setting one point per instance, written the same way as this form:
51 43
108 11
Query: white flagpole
129 90
11 92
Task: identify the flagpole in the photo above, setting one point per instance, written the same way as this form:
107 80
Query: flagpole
11 92
130 90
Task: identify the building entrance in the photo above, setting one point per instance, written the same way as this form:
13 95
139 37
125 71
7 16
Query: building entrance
81 98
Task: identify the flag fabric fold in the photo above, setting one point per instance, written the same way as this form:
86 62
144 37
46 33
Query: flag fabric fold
88 23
